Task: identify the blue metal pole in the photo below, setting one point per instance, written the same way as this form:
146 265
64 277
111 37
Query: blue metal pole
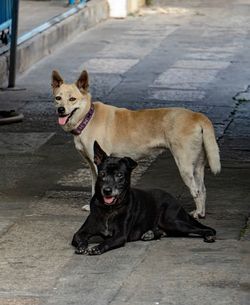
13 44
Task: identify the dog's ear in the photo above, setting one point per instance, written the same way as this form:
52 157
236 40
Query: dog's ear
130 162
83 81
56 79
99 154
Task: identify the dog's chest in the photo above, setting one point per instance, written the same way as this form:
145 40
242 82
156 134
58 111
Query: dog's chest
108 225
107 229
81 147
78 144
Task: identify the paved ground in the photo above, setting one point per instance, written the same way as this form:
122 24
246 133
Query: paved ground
193 54
35 13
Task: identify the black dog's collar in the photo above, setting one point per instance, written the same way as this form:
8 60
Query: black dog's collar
84 122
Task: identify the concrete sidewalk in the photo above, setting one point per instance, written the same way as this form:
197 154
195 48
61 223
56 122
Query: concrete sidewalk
192 54
35 13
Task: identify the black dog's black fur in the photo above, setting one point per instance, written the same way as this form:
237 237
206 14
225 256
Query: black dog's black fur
120 214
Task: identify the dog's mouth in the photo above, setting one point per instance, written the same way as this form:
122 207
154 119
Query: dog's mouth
63 119
109 200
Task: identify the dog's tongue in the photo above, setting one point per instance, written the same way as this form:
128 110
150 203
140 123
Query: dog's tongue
62 120
109 199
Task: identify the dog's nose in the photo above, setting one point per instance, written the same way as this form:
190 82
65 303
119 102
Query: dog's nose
61 110
107 191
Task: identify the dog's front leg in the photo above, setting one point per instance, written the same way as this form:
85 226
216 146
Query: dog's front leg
93 174
93 181
80 241
81 237
82 246
108 244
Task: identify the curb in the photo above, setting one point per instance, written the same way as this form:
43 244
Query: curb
34 49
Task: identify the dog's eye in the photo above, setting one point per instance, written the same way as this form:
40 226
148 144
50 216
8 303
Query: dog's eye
102 174
119 175
72 99
58 98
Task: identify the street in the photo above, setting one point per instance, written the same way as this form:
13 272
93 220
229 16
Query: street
192 54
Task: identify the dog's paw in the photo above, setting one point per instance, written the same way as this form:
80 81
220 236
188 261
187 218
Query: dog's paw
81 250
197 215
149 235
210 239
94 251
86 208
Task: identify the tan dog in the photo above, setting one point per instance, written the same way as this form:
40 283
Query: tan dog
122 132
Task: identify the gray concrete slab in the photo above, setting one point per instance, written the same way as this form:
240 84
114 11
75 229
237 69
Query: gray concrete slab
189 79
109 65
35 13
22 142
176 95
201 64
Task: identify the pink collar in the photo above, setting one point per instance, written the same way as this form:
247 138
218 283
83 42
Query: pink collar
84 122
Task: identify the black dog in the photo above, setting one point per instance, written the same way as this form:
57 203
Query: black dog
119 213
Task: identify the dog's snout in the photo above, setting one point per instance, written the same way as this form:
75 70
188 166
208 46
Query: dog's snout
61 110
107 191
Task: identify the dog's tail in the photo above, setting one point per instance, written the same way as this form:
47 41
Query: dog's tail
211 146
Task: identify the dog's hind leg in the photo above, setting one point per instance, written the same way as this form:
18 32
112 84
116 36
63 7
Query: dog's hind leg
207 233
186 160
153 234
187 174
149 235
195 227
199 178
183 224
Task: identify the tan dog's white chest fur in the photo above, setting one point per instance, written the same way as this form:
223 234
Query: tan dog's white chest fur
121 132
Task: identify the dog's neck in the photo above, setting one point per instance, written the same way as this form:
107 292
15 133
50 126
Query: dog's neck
77 131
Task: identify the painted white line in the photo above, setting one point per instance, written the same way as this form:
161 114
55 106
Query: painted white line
176 95
201 64
190 79
109 65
